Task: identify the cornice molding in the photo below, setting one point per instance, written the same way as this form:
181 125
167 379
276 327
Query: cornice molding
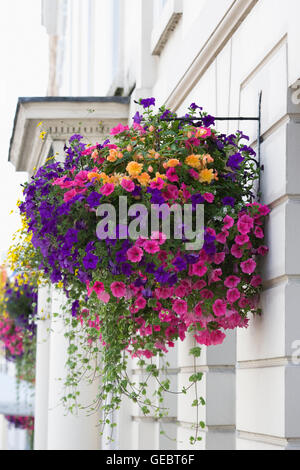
61 117
216 42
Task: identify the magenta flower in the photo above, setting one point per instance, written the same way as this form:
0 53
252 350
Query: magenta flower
172 175
233 295
263 250
228 222
180 307
140 303
241 240
219 258
158 184
128 185
151 246
245 224
222 237
219 308
256 281
119 129
198 269
249 266
118 289
107 189
135 254
232 281
258 232
236 251
209 197
98 287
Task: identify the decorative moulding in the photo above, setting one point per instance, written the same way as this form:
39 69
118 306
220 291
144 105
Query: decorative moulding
171 14
61 117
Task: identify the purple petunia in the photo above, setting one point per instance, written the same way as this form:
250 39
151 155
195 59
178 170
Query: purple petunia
228 201
93 199
235 161
146 103
90 261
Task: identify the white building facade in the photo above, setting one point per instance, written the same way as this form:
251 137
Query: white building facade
221 55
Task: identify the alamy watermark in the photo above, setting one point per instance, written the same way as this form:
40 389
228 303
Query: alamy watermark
179 222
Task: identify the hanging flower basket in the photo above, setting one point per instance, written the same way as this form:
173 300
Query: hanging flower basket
152 236
18 305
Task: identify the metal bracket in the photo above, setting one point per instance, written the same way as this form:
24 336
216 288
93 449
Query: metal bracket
240 118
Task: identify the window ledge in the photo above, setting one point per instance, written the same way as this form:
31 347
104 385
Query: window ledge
171 14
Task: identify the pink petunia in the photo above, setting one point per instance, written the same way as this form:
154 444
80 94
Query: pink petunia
171 192
118 289
198 309
233 295
107 189
256 281
180 307
236 251
219 258
232 281
228 222
245 224
241 240
69 195
258 232
140 303
222 237
249 266
151 246
206 294
199 285
172 175
158 184
135 254
209 197
215 275
198 269
219 308
118 129
128 185
263 250
264 210
160 237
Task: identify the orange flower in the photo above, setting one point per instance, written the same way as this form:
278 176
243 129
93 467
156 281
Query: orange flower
111 158
207 159
207 176
173 163
134 169
144 179
193 161
104 177
94 176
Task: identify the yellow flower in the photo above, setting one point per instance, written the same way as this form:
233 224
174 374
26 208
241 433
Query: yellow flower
94 176
134 169
60 285
172 163
193 161
206 176
144 179
42 135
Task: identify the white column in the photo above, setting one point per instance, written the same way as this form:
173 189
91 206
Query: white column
3 433
268 375
42 368
68 431
217 387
